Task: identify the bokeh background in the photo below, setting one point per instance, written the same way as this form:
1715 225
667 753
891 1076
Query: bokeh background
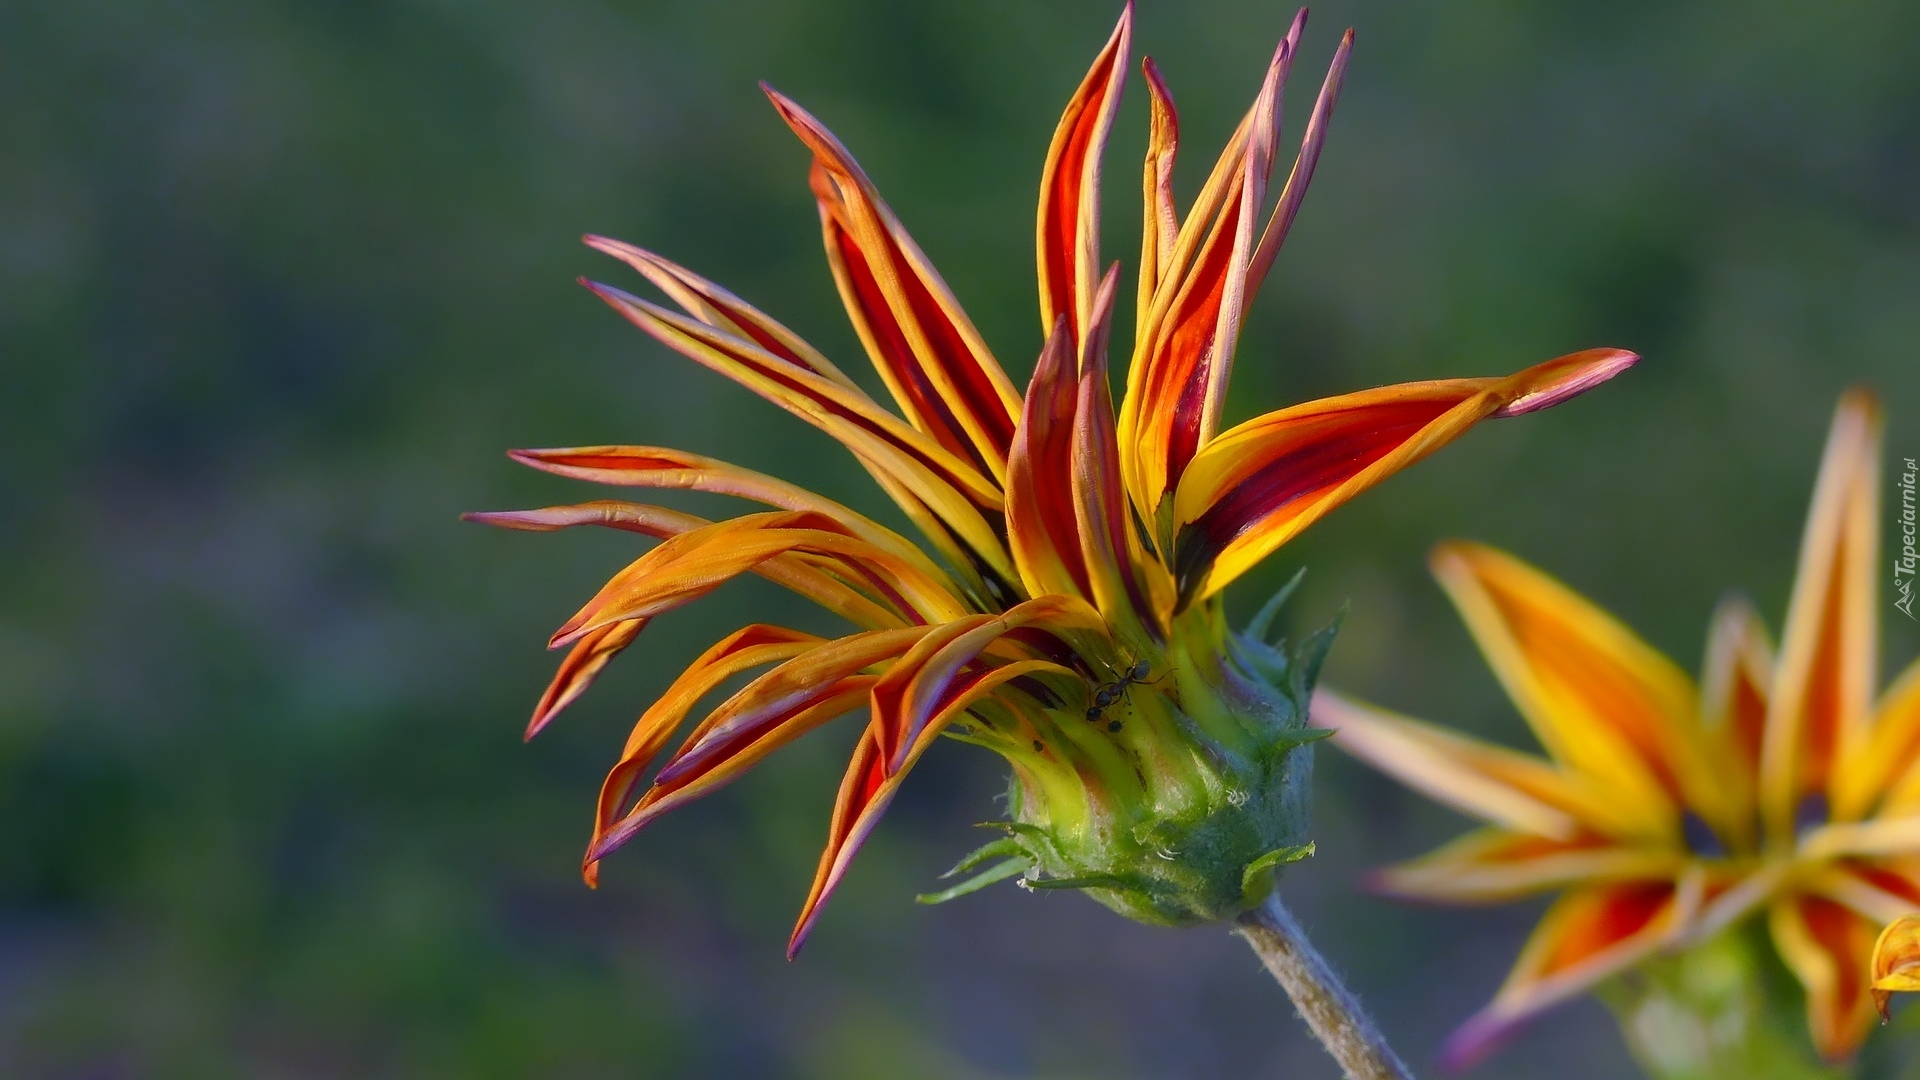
280 281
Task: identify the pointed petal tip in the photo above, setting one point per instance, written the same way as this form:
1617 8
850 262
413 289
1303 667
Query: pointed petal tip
784 105
1453 554
801 931
606 844
499 519
1475 1041
543 715
1377 882
1567 377
1862 399
607 245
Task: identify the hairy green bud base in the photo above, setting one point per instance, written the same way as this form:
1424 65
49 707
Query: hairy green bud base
1174 797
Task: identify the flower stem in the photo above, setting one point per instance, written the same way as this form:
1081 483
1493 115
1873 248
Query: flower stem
1328 1007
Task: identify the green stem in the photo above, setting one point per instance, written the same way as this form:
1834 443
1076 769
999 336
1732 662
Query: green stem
1327 1006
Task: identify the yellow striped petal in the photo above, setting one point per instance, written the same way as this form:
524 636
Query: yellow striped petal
1599 698
1489 866
1518 791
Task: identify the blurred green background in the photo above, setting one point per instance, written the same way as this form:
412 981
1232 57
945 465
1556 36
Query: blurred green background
280 281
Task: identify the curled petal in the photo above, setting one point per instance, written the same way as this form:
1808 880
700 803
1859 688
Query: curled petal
1128 586
1828 948
590 655
1258 485
658 522
922 343
1180 370
901 457
695 563
1161 224
868 787
817 684
795 572
744 649
1896 961
1295 191
1823 687
722 310
1069 225
1042 530
665 468
943 664
1584 938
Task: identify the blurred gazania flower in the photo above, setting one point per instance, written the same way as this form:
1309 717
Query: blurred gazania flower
1669 811
1065 610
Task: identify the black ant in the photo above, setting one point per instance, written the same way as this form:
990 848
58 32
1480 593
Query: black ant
1112 692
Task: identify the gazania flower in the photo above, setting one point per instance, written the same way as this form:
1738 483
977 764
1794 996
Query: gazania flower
1665 810
1064 608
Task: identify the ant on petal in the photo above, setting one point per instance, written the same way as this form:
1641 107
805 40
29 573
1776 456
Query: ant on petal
1111 692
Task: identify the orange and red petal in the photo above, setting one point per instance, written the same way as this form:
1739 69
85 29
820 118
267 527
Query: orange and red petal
1823 685
1042 530
1829 948
1186 354
1585 937
1068 242
922 343
662 467
744 649
1734 683
1602 700
1311 142
1129 586
722 310
589 656
849 594
695 563
1260 484
1160 215
869 786
943 665
957 492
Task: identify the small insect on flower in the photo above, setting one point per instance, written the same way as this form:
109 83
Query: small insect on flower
1111 692
1060 532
